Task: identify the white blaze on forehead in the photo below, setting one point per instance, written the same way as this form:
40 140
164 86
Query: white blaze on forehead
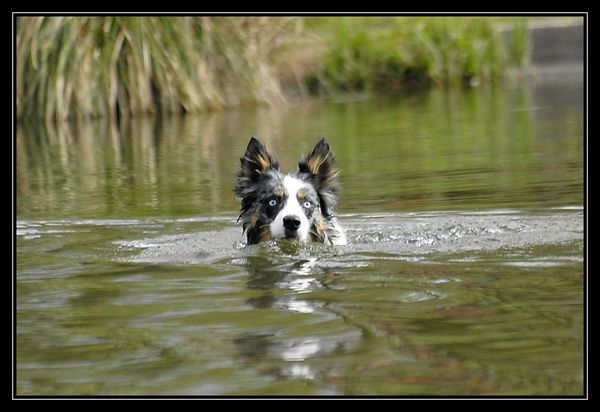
292 185
291 207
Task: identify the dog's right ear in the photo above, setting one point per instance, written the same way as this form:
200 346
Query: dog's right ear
254 163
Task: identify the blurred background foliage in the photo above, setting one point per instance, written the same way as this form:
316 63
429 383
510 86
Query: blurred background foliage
74 67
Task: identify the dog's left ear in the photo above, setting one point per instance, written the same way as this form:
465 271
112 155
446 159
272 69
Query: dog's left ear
320 165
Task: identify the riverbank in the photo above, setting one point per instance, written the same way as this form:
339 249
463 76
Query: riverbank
87 67
382 55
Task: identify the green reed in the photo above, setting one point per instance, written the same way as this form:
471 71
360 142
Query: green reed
96 66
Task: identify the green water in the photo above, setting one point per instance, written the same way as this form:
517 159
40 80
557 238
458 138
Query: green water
464 273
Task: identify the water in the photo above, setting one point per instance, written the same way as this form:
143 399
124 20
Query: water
464 273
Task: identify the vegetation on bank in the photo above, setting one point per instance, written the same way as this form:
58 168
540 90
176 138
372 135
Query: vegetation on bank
101 66
123 65
396 52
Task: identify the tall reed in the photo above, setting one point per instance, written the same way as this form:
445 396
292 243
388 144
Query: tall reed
97 66
92 66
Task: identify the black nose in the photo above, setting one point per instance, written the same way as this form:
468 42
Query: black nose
291 222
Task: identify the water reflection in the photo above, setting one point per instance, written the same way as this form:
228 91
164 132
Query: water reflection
283 272
440 149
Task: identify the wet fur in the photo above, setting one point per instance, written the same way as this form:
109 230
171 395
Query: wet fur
259 182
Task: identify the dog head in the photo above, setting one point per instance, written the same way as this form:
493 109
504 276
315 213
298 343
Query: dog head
298 206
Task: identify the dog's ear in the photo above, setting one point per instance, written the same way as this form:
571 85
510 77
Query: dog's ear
320 165
254 163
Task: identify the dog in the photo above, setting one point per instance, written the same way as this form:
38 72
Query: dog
297 207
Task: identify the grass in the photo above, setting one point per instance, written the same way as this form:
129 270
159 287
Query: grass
379 53
116 66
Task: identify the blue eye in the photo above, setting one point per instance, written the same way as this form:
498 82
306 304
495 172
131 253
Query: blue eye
273 202
307 204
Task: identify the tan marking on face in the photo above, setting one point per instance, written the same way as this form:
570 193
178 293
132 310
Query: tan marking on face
264 232
320 228
265 237
253 219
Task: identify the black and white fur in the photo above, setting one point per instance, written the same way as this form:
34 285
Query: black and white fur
297 207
